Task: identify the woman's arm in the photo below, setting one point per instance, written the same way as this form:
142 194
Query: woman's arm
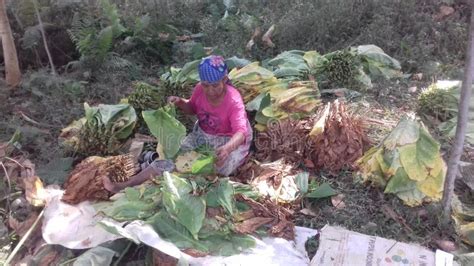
182 104
224 151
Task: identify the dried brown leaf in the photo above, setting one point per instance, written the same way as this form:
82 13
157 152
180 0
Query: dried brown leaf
251 225
162 259
308 212
337 201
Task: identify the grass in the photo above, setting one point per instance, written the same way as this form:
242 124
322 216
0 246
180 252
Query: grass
365 212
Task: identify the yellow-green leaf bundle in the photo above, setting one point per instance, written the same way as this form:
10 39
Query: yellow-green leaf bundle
407 163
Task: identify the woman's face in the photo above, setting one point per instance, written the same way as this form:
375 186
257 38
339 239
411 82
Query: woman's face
214 91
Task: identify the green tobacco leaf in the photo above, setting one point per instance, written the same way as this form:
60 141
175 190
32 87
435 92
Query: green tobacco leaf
406 132
187 209
175 232
322 191
433 185
400 182
212 227
419 158
117 229
377 63
203 165
230 245
246 190
225 195
211 198
312 58
95 256
302 182
167 129
412 197
132 210
392 159
132 194
260 117
234 62
254 105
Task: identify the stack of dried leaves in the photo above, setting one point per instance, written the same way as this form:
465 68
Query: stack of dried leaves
337 139
266 213
282 139
85 181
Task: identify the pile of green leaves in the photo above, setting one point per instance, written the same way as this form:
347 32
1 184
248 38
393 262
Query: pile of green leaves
102 131
407 163
438 105
177 81
176 209
166 128
146 97
463 215
290 65
353 67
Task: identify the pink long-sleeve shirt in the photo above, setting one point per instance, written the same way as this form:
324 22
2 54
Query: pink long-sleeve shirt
226 119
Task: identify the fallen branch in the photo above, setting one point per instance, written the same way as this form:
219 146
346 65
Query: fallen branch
392 214
24 238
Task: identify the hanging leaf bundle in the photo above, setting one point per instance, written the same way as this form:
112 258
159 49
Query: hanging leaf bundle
85 181
337 138
407 163
102 131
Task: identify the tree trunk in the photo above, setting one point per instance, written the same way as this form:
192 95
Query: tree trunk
12 69
463 113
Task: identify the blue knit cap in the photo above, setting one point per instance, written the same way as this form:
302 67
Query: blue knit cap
212 69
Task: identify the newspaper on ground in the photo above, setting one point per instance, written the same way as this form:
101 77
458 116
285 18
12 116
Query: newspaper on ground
341 247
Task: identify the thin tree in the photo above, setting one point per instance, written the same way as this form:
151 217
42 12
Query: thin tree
463 113
43 35
12 68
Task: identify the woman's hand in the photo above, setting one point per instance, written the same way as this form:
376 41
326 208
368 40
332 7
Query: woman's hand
222 154
174 100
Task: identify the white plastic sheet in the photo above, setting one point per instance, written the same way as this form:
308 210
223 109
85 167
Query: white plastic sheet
80 227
